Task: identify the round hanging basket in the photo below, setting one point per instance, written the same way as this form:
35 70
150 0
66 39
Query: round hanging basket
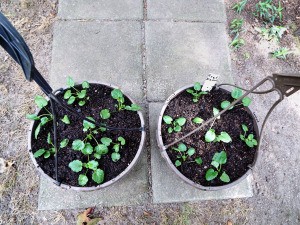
99 98
192 165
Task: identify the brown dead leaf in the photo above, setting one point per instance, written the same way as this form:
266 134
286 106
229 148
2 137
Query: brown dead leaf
84 218
229 222
147 214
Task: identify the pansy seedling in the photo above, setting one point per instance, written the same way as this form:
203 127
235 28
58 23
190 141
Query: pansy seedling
196 92
176 124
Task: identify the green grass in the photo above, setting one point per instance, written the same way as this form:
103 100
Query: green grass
268 11
281 53
239 6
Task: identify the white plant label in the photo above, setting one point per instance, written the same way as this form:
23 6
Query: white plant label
210 81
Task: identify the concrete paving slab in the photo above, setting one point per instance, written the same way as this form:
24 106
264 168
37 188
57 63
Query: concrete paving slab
98 51
195 10
181 53
100 9
131 190
167 187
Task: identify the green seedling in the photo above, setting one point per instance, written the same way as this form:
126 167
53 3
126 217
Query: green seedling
176 125
237 43
51 151
273 33
249 140
105 114
97 176
118 95
236 94
74 94
66 120
268 11
197 120
219 159
236 26
196 92
211 136
41 102
281 53
185 153
239 7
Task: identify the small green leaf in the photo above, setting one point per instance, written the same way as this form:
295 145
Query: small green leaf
76 166
191 151
180 121
78 145
181 147
167 119
67 94
254 142
66 119
224 136
225 104
197 86
37 130
246 101
47 154
249 143
121 140
190 91
40 101
116 94
133 107
170 130
211 174
198 161
85 85
244 127
64 143
87 125
92 165
70 82
220 157
224 177
49 138
236 93
177 128
115 156
116 147
97 156
88 149
250 136
197 120
81 103
101 149
81 94
242 137
44 120
216 112
38 153
210 135
177 163
98 176
71 100
106 141
215 164
82 179
105 114
32 117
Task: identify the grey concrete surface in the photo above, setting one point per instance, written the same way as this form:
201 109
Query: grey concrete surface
107 52
194 10
100 9
167 187
181 53
131 190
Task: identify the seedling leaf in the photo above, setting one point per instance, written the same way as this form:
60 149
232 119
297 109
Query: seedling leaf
191 151
47 154
116 94
82 179
81 103
32 117
38 153
70 82
67 94
115 156
197 120
88 149
220 157
181 147
121 140
44 120
167 119
92 165
133 107
101 149
210 135
246 101
177 163
236 93
177 128
40 101
106 141
244 127
78 145
71 100
216 112
211 174
81 94
85 85
64 143
224 136
197 86
198 161
224 177
98 176
105 114
49 138
37 130
66 119
225 104
76 166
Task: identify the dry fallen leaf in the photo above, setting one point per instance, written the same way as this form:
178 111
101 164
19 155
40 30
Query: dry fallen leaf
229 222
84 218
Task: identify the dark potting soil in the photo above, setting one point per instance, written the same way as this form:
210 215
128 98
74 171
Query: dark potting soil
100 98
239 155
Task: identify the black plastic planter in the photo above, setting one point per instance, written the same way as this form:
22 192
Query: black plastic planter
165 155
107 183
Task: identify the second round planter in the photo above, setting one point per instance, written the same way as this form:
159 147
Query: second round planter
221 154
